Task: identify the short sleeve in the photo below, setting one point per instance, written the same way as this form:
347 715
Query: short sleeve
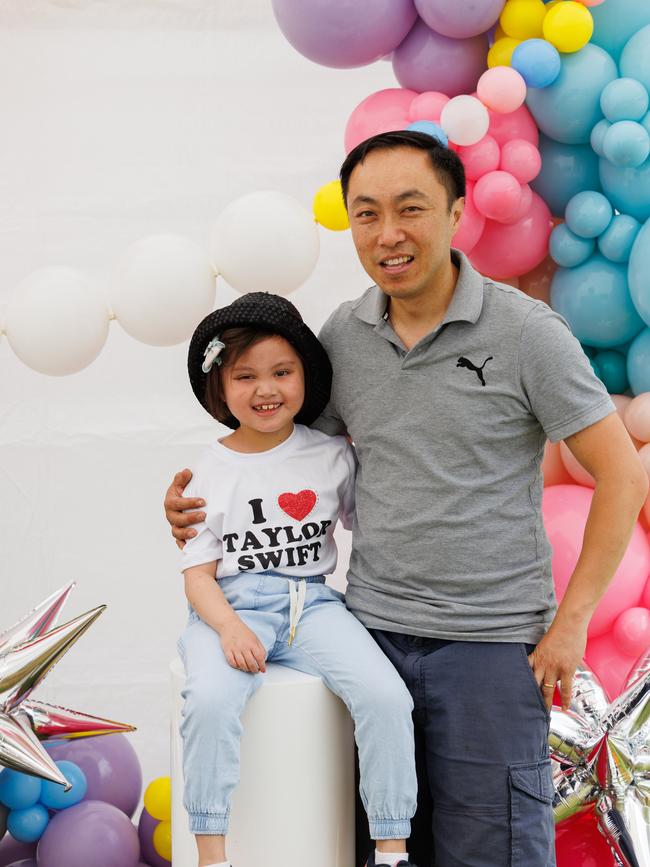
348 503
558 383
329 421
205 547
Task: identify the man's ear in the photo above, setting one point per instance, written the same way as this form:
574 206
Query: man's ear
457 210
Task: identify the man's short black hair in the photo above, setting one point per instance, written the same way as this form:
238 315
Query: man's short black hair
445 163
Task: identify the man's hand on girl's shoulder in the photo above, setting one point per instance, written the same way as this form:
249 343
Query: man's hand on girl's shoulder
179 509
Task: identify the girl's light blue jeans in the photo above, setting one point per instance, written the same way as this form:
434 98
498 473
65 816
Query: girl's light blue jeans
329 642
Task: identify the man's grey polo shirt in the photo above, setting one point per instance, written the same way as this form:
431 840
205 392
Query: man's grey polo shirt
448 539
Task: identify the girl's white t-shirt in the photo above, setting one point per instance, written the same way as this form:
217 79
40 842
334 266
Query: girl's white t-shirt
273 510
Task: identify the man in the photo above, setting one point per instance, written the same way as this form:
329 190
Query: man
449 384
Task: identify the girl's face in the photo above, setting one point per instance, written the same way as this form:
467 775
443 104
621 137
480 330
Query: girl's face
265 387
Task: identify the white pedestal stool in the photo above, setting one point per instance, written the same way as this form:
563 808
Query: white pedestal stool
294 804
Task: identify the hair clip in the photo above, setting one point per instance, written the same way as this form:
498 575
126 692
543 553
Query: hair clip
212 353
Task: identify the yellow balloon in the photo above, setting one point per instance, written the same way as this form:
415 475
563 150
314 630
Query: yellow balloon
523 19
329 208
499 32
568 26
158 799
501 52
552 5
162 840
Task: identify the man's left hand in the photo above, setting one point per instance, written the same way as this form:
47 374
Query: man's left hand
557 657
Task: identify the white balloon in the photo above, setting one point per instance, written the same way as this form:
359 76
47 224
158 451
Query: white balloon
163 286
265 242
465 120
55 322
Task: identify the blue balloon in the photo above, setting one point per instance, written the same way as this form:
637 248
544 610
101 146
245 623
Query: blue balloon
635 58
18 791
566 170
627 189
613 370
567 249
597 137
588 214
617 240
28 825
537 61
638 363
55 797
615 22
430 128
624 99
569 108
638 271
626 143
595 301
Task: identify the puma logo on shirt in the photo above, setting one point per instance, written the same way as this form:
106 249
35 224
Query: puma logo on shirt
465 362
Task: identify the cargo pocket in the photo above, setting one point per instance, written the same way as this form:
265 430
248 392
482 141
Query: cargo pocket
532 827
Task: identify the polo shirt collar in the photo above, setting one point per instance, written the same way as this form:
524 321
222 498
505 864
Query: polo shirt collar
465 306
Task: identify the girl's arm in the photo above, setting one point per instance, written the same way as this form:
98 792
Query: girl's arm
241 647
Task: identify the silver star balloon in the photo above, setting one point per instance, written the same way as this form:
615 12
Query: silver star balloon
28 651
601 753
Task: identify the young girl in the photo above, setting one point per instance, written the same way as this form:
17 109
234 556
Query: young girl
274 490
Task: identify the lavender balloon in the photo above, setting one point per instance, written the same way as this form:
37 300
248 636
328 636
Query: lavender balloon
25 862
111 768
341 33
12 850
426 60
89 833
146 827
460 20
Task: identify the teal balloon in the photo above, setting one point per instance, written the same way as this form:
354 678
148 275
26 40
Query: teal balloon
639 271
589 351
613 370
624 99
638 363
597 137
28 825
595 300
566 170
568 109
628 189
588 214
595 367
617 240
635 58
626 143
615 21
567 249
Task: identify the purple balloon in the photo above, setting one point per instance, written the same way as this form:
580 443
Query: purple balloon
345 33
426 60
12 850
146 827
25 862
91 832
460 20
111 767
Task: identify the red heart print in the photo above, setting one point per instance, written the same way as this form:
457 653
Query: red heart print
298 505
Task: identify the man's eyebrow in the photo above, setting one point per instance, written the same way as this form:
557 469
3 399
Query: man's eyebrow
407 194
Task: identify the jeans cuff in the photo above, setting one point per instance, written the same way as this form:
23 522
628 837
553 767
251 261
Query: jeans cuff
390 829
209 823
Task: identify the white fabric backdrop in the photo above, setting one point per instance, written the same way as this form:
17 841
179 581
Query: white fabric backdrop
122 119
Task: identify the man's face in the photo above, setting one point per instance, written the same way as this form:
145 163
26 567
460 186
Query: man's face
400 219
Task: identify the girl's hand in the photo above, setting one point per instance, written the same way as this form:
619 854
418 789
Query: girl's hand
242 648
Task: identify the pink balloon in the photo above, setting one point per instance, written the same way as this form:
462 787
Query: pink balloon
525 204
637 417
591 2
508 250
553 469
427 106
522 159
609 662
565 509
632 631
497 195
383 111
501 89
516 124
471 225
575 469
480 158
